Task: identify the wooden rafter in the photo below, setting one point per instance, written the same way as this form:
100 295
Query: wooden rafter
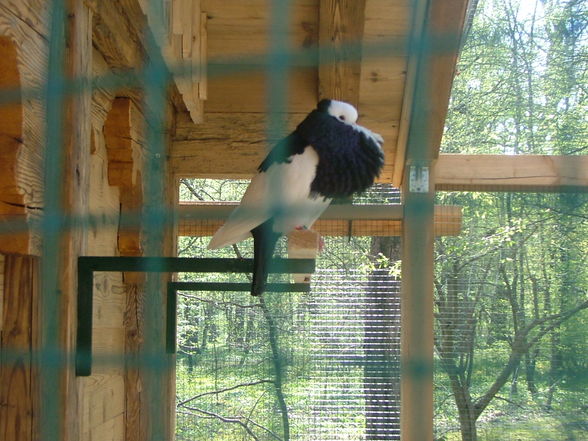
437 28
340 32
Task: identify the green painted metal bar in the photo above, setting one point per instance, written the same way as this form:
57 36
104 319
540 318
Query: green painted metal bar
87 265
238 287
174 287
171 319
189 264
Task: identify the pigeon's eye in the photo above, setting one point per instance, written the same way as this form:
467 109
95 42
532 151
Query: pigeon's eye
341 117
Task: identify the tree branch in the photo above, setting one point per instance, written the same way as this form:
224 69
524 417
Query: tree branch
519 347
220 391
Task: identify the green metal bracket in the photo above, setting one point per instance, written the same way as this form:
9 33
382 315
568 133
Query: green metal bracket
87 265
172 300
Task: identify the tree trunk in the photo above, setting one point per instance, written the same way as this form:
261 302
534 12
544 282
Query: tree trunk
530 364
467 426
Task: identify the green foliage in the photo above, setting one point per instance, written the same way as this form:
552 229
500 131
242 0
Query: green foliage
521 259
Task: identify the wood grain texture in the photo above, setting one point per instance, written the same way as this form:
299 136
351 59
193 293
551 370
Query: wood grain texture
383 72
124 141
228 145
115 37
184 52
19 337
23 26
75 198
511 173
341 24
102 396
13 238
247 92
237 28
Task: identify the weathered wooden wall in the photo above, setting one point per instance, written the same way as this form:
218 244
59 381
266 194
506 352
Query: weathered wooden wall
101 395
23 33
19 337
102 179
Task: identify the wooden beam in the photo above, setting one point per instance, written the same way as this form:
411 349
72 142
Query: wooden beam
76 199
123 136
341 26
437 32
512 173
338 220
115 37
226 145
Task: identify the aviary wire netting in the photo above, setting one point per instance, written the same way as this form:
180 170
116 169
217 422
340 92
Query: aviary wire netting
333 350
510 307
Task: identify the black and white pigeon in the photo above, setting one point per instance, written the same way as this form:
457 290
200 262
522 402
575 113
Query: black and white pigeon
327 156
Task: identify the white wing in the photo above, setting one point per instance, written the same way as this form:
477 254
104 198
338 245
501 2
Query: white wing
286 184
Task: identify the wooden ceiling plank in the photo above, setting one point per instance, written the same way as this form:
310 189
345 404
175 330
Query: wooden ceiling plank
383 74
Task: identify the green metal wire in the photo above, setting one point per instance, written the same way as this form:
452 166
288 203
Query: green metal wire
51 370
156 79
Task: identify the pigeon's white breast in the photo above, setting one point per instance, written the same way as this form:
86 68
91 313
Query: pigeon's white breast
294 182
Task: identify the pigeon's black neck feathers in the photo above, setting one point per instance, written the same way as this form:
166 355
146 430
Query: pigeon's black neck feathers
349 160
323 106
293 144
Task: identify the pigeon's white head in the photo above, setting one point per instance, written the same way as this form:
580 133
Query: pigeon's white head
344 112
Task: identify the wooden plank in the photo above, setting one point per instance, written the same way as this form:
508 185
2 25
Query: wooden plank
341 25
202 59
123 137
246 91
383 73
238 28
511 173
77 130
431 74
448 221
18 384
303 244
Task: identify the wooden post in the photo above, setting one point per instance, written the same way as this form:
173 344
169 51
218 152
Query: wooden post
303 244
19 337
432 69
418 236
